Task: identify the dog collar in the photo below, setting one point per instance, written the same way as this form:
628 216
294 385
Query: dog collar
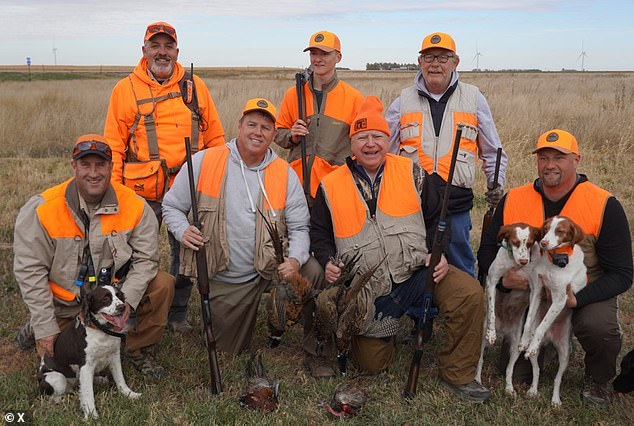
101 327
559 255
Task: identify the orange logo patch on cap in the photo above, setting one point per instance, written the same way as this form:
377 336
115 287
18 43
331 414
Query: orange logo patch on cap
262 103
552 137
435 39
361 124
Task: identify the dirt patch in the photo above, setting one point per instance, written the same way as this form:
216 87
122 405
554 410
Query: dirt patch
13 359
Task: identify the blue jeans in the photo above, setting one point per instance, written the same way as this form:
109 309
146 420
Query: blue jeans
460 253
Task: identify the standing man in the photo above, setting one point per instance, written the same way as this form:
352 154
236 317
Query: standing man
331 105
379 205
76 229
150 113
560 190
234 183
423 122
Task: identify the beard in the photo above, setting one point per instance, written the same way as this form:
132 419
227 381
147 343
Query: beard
161 72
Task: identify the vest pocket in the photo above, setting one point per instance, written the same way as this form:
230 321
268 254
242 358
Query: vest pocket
464 175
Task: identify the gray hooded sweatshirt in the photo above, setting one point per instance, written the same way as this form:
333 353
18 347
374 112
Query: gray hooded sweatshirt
244 186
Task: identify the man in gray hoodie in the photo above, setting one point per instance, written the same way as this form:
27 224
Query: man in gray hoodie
234 183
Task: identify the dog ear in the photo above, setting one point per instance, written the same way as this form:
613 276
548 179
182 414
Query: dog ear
536 233
86 303
577 233
504 232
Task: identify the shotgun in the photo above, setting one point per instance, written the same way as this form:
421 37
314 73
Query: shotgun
488 216
300 79
203 282
423 324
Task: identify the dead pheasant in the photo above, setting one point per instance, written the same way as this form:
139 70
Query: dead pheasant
287 295
261 393
347 400
326 314
352 313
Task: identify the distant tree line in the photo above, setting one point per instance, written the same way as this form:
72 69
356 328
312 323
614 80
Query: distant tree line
386 66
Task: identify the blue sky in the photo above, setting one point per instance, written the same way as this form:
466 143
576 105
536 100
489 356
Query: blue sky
512 34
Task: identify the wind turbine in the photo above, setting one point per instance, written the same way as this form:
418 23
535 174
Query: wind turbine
582 56
477 58
54 53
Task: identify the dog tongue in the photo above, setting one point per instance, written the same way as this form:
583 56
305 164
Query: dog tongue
119 322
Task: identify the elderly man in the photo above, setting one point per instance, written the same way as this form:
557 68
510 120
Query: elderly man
90 221
423 122
331 104
560 189
149 114
234 183
379 204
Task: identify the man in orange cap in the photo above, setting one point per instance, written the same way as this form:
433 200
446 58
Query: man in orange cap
330 107
423 121
234 183
150 113
66 230
380 206
561 190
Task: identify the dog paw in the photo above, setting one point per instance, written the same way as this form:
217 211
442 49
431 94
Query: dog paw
509 390
556 402
133 395
491 336
532 393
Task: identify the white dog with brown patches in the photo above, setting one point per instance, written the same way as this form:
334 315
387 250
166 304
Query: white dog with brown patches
87 347
560 267
519 248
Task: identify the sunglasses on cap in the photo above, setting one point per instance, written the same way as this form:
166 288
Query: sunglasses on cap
160 28
99 148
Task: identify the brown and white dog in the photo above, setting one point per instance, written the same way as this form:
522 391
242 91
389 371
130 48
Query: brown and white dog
505 314
87 347
560 266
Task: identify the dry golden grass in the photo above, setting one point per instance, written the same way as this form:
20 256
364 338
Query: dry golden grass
39 121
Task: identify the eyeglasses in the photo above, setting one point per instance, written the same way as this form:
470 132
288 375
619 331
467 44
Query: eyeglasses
160 28
429 58
100 147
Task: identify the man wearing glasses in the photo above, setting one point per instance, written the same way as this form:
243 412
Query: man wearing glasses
422 123
150 113
88 231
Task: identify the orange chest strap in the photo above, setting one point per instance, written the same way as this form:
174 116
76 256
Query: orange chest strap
61 293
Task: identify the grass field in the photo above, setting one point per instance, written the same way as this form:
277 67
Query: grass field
40 119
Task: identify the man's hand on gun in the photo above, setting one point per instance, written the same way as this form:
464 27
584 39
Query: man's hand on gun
493 195
192 238
299 129
440 271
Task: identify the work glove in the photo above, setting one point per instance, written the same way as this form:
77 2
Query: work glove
493 194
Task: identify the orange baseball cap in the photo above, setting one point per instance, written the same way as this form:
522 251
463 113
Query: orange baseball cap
324 40
92 144
260 104
441 40
369 117
558 139
160 27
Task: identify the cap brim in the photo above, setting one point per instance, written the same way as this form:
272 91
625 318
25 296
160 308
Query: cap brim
556 148
261 110
92 152
322 48
437 47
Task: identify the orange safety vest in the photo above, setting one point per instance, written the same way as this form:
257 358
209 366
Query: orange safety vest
59 223
328 142
398 228
210 200
418 136
585 207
